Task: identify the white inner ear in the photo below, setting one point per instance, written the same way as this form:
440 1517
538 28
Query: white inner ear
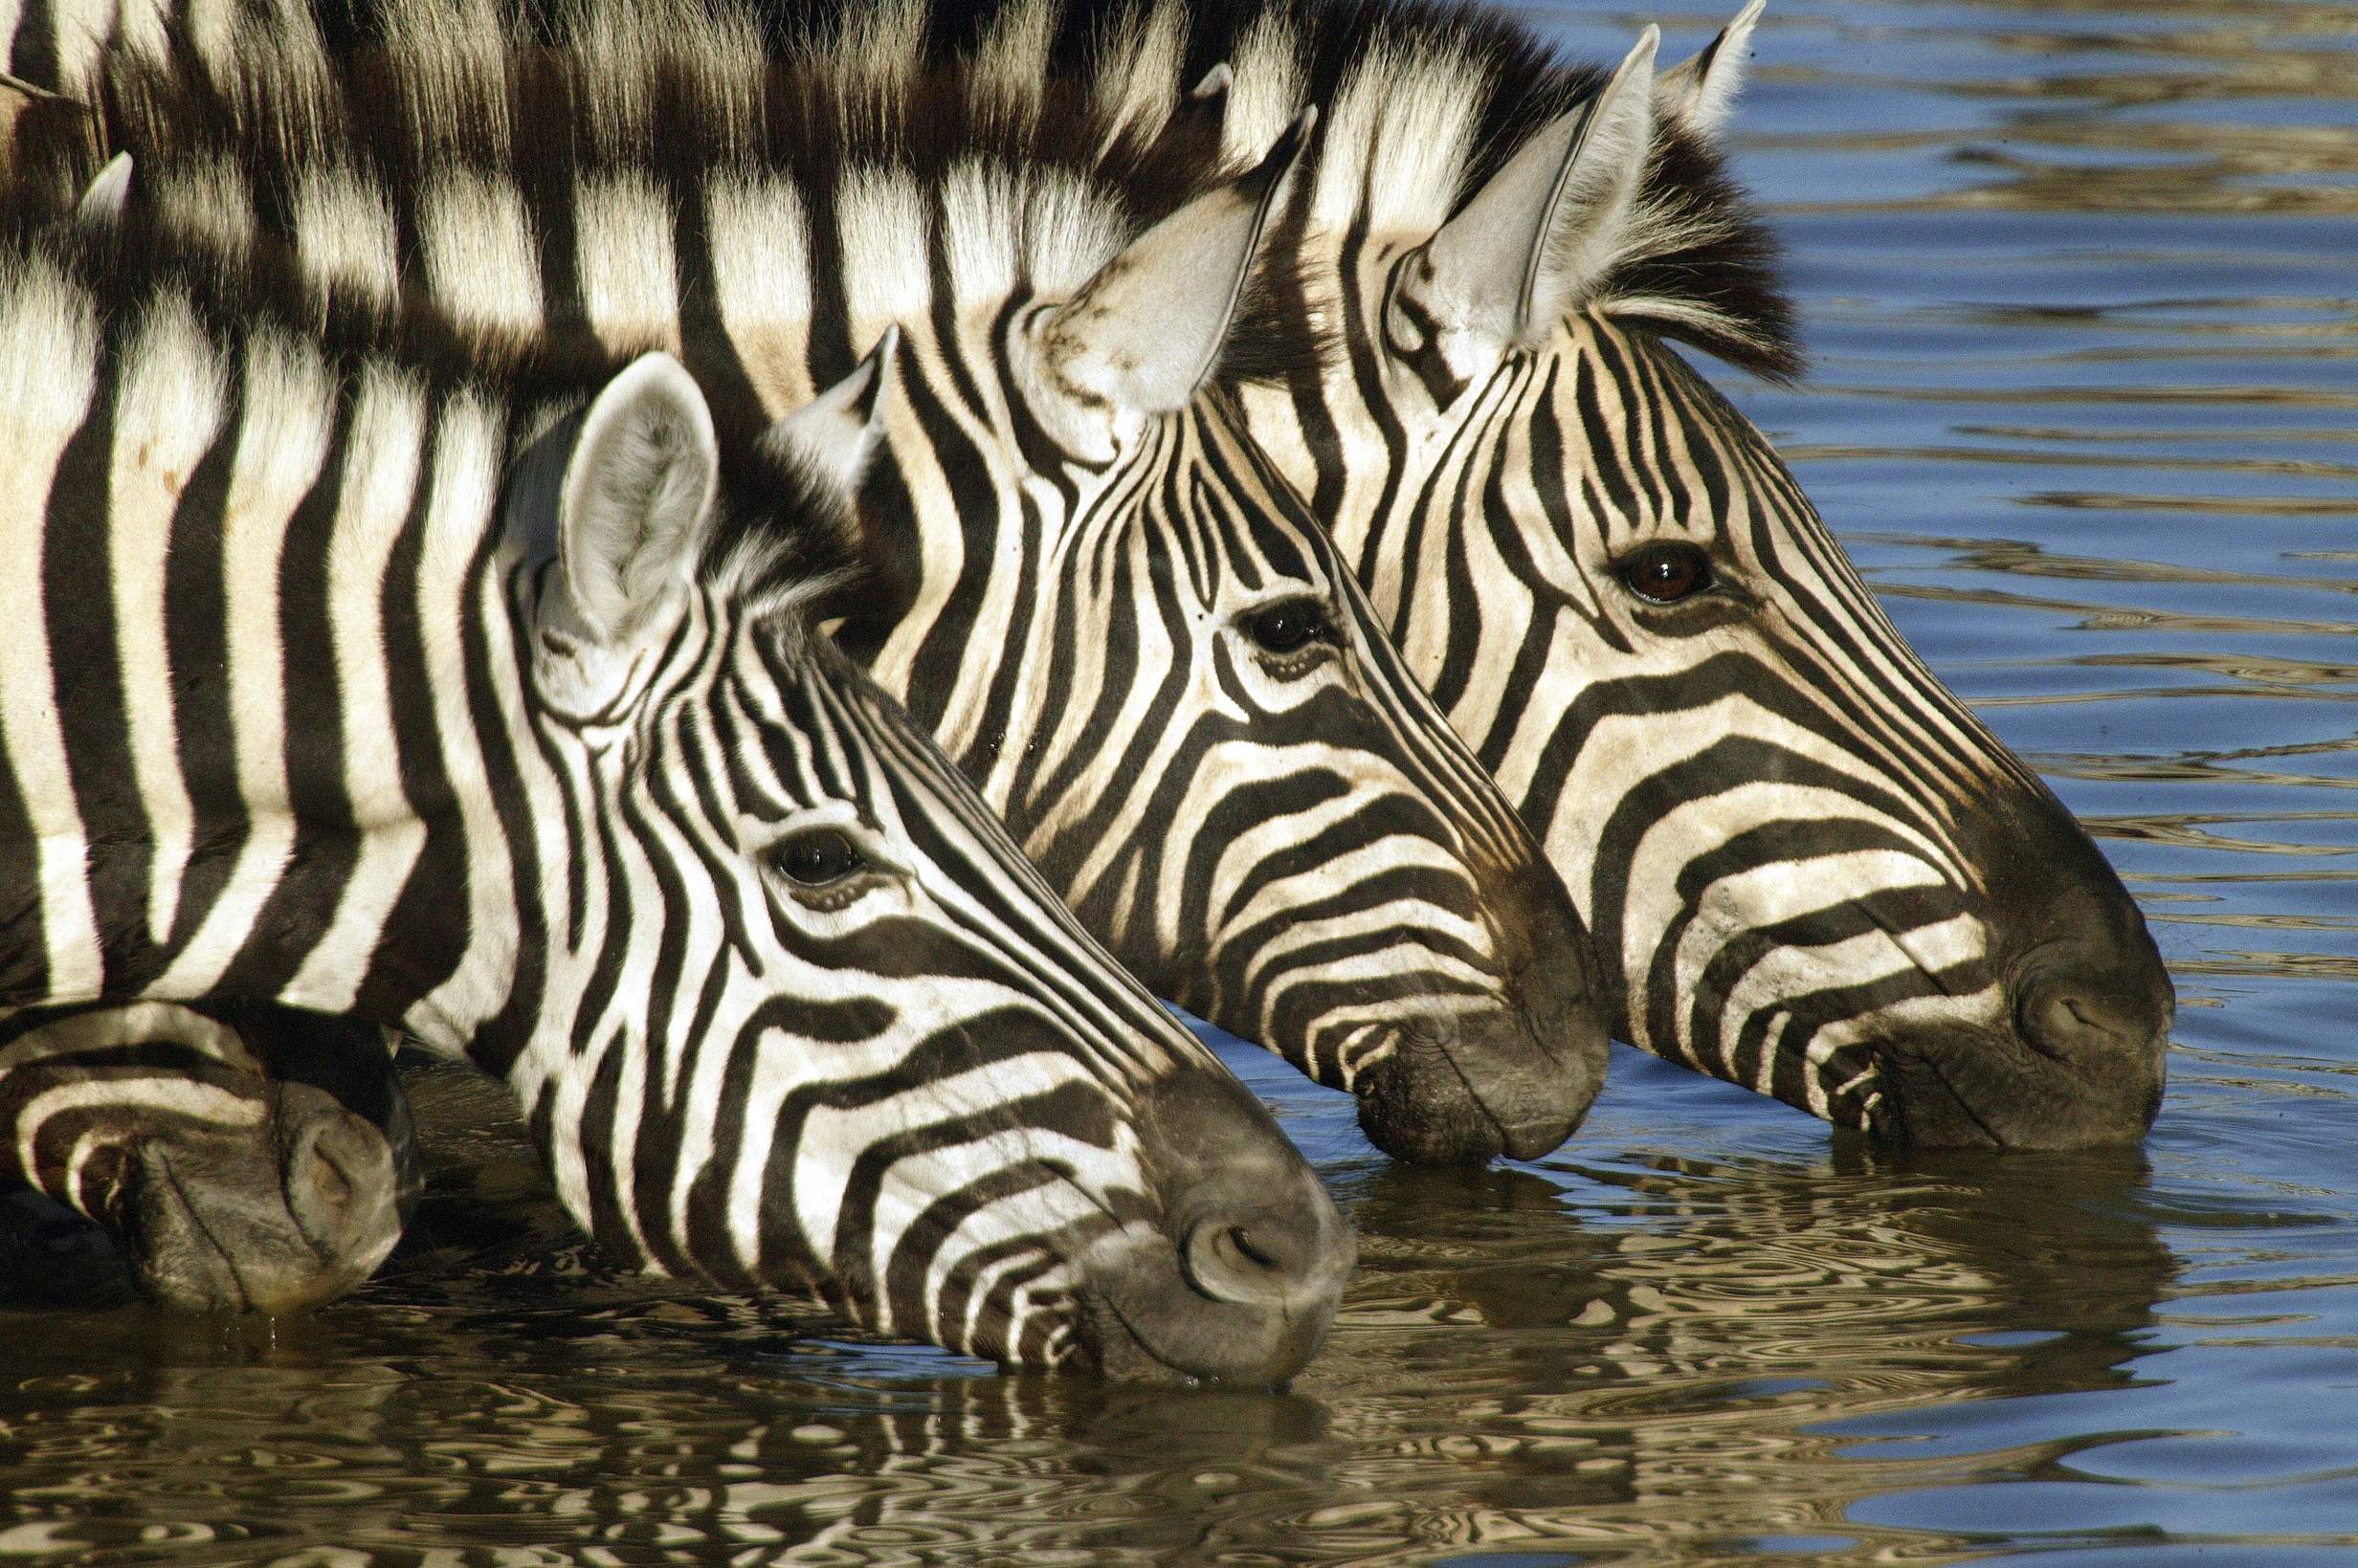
641 478
1591 210
834 435
1701 94
1143 333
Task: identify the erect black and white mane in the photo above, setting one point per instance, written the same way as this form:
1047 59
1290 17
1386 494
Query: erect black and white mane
1421 104
578 161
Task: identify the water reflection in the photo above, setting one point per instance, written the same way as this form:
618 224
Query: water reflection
1601 1354
1628 1351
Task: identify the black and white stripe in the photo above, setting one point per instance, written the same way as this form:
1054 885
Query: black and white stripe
1099 596
348 677
1808 868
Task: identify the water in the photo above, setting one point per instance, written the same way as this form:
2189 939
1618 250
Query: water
2081 280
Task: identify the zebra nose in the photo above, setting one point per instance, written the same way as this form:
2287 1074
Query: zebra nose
1517 1078
2078 1058
1289 1258
2099 1010
1248 1270
2086 1001
2074 1010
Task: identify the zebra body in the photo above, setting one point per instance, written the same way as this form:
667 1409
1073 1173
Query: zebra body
352 677
1096 593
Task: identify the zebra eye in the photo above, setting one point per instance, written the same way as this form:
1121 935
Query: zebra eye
1663 574
818 858
1288 626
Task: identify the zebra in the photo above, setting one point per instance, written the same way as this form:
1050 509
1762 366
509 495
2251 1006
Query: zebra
1097 594
1805 867
359 681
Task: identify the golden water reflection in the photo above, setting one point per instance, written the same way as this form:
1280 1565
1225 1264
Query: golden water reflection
1602 1358
2077 274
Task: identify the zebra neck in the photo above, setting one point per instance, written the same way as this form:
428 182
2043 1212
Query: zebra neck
255 627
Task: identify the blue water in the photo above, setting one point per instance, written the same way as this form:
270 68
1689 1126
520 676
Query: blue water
2080 281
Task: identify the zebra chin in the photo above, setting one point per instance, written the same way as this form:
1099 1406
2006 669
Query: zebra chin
1241 1279
1442 1095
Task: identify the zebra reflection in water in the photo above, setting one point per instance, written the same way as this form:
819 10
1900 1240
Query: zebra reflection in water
1644 1357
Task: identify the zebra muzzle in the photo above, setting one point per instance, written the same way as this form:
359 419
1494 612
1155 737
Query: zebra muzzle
1514 1078
297 1213
1241 1280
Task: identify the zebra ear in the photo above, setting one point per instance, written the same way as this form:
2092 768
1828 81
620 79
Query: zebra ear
1546 225
833 437
1701 94
631 511
1143 333
1198 120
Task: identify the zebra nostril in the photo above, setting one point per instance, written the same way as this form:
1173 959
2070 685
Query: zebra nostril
2071 1005
1239 1241
1269 1257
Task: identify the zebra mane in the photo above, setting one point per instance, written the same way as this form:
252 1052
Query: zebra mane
782 542
1423 100
1034 191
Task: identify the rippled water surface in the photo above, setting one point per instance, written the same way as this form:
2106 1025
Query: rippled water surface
2081 280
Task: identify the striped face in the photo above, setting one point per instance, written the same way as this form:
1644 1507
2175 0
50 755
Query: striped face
1809 868
1189 718
1806 867
1090 586
834 1032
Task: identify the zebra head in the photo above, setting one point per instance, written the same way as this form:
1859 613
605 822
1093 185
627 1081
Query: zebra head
423 688
808 1016
1808 867
1158 669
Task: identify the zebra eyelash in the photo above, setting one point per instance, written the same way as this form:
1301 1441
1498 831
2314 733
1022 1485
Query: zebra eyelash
791 858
